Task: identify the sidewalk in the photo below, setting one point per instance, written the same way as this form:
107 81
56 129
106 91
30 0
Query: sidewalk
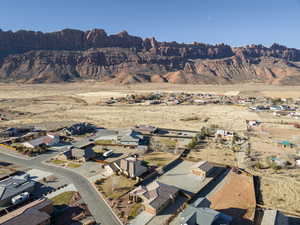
70 187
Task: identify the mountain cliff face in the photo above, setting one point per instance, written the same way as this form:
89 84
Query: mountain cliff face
67 55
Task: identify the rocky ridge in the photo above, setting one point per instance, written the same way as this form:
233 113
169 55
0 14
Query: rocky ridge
68 55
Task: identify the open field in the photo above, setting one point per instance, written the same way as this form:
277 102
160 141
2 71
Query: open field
281 193
78 102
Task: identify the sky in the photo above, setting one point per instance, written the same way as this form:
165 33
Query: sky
234 22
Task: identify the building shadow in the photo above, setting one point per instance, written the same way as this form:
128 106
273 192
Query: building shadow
237 216
294 221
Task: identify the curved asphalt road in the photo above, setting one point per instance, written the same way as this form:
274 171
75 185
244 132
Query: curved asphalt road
100 211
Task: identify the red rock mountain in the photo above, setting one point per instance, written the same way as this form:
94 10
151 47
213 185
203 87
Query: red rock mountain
67 55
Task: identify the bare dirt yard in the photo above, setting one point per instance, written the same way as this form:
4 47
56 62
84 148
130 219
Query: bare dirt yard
236 197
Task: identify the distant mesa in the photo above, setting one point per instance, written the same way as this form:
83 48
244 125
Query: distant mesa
71 55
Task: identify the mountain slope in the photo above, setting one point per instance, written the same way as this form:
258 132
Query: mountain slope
69 55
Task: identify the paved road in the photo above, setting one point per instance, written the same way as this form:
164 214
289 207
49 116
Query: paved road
100 211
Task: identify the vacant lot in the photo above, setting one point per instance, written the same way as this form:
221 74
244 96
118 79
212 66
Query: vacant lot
281 193
213 154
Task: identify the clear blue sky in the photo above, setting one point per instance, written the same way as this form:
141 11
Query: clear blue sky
235 22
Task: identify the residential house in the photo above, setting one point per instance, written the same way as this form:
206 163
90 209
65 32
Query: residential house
146 129
104 134
274 217
286 144
127 137
199 213
130 167
85 143
79 129
276 108
130 137
14 186
15 131
202 168
81 150
252 123
37 212
224 134
48 140
278 161
78 154
156 196
259 108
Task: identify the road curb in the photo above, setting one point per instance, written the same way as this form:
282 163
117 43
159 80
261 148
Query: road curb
92 184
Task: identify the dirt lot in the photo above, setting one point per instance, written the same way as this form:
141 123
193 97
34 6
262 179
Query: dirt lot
236 197
213 154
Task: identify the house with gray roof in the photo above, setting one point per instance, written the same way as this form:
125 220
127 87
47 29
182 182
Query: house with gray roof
144 129
132 167
104 134
84 143
156 196
82 154
199 213
130 137
14 186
